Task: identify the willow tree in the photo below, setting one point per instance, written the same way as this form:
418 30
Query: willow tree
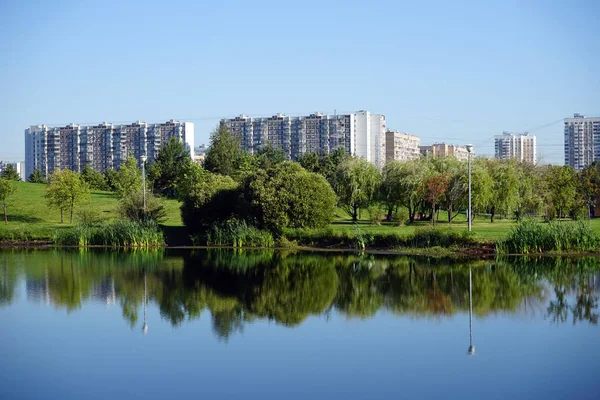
356 183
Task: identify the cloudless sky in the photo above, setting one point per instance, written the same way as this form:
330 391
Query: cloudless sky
453 71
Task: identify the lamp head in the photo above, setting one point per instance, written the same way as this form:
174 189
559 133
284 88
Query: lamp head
143 158
469 148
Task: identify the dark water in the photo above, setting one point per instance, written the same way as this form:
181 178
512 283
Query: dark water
224 324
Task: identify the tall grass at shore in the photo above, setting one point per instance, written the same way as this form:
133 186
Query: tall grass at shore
236 234
535 237
117 234
422 238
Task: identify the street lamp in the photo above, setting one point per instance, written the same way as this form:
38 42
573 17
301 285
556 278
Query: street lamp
144 158
469 151
471 350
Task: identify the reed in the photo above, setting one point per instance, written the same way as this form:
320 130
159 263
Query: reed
118 234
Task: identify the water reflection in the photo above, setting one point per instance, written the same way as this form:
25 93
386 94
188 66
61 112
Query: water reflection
238 287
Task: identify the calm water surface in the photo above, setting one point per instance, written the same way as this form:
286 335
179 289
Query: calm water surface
269 325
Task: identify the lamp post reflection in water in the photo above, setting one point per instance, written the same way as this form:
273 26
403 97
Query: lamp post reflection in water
145 326
471 350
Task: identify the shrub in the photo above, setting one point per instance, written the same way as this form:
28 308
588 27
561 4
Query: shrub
288 196
131 207
400 216
89 217
375 215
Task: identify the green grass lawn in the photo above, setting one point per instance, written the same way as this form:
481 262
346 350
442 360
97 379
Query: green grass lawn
30 218
482 227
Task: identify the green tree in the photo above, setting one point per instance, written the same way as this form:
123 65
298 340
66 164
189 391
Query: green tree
36 177
167 169
94 179
7 189
129 178
481 186
402 184
10 173
505 187
268 156
456 193
66 190
225 153
589 186
288 196
210 200
111 176
356 184
562 189
131 206
532 189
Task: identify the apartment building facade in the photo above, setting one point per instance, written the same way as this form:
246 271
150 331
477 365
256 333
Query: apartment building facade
582 141
401 146
360 134
445 150
101 147
515 146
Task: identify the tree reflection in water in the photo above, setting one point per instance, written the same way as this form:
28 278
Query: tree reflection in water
238 287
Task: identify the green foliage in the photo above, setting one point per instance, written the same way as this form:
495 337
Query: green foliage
402 183
131 207
324 164
536 237
94 179
7 189
168 168
89 217
128 179
505 187
356 184
234 233
66 190
10 173
562 189
289 196
268 156
212 199
225 153
37 177
111 176
118 234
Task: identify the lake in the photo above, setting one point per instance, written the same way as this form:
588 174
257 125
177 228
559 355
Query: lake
307 325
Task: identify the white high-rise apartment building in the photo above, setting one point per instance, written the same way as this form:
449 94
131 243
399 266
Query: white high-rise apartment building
100 147
515 146
361 134
401 146
582 141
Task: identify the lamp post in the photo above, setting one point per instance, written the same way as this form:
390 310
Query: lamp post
471 350
469 151
144 158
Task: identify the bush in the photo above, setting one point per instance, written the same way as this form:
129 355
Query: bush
288 196
131 207
89 217
375 215
536 237
118 234
400 216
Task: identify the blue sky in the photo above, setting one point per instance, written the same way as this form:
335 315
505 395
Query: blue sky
446 71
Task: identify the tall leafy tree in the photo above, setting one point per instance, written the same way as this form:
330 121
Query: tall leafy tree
505 187
128 179
481 186
562 189
356 184
10 173
435 186
167 169
94 179
270 156
36 177
225 152
66 190
457 190
7 189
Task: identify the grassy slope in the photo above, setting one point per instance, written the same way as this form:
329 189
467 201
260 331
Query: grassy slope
29 217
